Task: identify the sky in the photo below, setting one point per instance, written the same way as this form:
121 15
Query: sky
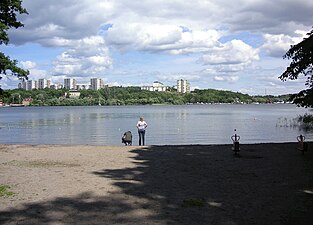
226 45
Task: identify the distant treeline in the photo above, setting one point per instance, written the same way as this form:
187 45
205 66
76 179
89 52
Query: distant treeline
131 96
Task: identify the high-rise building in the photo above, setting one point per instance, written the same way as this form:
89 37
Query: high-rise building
22 85
96 84
70 83
183 86
44 83
32 84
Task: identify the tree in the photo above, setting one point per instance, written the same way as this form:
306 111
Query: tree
301 55
8 11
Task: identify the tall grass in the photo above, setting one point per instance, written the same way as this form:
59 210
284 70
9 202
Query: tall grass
302 122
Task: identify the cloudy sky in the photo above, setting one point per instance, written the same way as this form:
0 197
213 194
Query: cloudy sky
229 45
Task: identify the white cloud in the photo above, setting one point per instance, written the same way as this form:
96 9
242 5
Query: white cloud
190 28
278 45
28 65
71 17
175 77
231 57
35 73
233 52
161 37
226 78
85 57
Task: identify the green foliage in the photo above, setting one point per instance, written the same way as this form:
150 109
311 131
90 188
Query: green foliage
216 96
8 11
306 118
131 96
306 121
301 55
4 191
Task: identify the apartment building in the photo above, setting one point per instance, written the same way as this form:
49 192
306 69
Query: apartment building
183 86
31 84
96 84
70 83
28 85
44 83
22 85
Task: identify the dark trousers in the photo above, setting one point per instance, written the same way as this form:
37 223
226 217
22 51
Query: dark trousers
141 136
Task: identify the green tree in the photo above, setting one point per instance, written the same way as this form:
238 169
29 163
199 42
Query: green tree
8 11
301 55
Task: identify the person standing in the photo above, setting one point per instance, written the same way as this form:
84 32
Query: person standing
141 126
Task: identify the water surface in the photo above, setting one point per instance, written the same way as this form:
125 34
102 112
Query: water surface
187 124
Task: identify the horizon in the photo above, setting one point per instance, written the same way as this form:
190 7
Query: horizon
230 46
206 89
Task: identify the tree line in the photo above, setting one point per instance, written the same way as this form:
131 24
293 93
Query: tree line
131 96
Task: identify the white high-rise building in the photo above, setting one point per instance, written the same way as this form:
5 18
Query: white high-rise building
70 83
22 85
43 83
32 84
96 84
183 86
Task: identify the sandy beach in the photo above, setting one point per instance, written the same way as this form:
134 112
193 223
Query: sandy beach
191 184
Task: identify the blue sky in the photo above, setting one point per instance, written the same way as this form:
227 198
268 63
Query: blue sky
218 44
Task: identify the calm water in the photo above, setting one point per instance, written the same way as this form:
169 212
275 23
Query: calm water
188 124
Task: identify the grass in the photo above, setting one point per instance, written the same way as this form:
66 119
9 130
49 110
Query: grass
4 191
302 122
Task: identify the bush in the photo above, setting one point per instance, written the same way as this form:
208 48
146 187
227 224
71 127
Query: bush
306 121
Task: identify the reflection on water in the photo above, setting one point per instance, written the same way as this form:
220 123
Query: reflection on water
193 124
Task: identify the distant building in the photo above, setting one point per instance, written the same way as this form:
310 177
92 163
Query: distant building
96 84
32 84
70 83
82 86
156 86
27 101
183 86
44 83
74 94
22 85
56 86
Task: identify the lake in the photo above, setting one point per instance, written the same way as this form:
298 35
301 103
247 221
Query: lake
170 125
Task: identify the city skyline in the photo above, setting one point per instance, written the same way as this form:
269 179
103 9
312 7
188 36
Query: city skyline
236 46
183 86
68 83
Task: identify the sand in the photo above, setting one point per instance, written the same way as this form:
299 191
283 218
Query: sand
192 184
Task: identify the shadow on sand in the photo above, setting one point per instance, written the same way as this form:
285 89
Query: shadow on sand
267 184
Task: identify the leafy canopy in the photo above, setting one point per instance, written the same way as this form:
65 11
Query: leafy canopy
301 55
8 11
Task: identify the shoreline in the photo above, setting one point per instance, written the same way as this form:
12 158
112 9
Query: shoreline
154 145
267 183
